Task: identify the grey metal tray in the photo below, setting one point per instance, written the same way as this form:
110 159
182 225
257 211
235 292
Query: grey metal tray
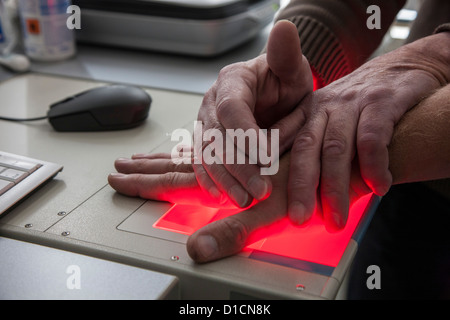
206 28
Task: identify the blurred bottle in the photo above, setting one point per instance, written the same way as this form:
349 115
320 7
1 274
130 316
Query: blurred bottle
45 33
7 33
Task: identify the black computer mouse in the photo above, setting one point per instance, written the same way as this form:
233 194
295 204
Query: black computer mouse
111 107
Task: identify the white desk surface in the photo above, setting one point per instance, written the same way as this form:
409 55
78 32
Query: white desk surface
87 158
30 271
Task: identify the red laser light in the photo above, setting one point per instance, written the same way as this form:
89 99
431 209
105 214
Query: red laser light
317 80
186 219
311 243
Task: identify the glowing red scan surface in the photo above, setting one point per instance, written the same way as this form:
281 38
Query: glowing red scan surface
313 242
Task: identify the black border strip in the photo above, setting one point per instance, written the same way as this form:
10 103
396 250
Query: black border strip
292 263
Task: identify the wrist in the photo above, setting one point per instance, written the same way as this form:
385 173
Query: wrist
433 55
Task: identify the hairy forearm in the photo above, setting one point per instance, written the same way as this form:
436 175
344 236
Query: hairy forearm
420 148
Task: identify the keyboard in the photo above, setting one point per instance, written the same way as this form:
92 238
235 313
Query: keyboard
20 176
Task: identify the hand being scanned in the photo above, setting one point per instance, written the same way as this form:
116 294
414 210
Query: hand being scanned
157 177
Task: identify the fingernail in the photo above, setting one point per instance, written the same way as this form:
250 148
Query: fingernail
206 246
381 190
217 195
117 175
338 222
239 196
258 187
297 212
139 155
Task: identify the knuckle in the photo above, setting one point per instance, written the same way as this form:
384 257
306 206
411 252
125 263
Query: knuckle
228 68
368 143
234 231
205 107
140 165
138 182
221 175
375 94
331 191
305 141
205 145
230 72
245 174
349 94
175 165
232 68
329 98
168 180
202 177
368 138
207 104
334 147
298 183
223 107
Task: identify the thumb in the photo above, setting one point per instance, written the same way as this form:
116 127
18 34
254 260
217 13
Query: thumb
286 61
228 236
284 54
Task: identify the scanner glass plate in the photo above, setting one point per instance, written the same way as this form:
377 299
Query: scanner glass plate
311 243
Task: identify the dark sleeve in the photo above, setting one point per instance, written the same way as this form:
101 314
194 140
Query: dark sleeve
334 34
432 14
443 28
